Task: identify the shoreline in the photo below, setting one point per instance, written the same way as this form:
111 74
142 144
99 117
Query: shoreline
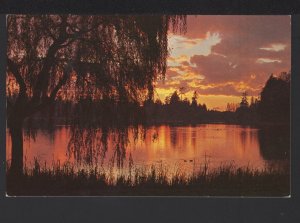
36 122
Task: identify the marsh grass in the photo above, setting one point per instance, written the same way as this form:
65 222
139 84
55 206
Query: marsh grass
227 180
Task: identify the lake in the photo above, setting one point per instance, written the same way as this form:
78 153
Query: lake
184 147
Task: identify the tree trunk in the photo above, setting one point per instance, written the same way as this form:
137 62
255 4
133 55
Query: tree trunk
17 146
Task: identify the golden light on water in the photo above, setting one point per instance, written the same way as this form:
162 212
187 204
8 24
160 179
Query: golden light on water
186 147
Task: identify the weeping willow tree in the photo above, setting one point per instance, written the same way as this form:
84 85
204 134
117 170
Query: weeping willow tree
77 57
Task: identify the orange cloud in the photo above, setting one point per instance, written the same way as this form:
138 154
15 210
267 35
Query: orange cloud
221 56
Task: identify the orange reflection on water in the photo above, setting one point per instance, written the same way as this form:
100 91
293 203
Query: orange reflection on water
187 146
218 143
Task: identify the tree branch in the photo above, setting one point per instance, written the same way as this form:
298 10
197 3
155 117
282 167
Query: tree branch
43 77
49 100
64 39
13 68
79 32
61 82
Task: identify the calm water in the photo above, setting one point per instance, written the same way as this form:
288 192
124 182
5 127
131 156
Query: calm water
184 146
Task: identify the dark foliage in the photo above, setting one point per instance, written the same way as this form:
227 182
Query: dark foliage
81 57
274 105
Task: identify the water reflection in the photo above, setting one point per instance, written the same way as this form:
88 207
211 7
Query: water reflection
187 146
274 142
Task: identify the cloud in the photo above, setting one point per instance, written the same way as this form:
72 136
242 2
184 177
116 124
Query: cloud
182 46
274 47
224 55
215 68
267 60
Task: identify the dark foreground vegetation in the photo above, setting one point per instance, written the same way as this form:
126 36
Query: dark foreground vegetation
226 180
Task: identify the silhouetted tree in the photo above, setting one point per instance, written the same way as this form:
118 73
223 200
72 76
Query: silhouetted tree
275 99
244 101
175 110
182 91
243 112
231 107
158 102
174 99
194 99
95 56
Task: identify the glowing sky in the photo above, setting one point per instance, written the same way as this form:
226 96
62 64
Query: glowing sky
222 56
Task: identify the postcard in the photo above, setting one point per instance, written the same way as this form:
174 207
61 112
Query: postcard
148 105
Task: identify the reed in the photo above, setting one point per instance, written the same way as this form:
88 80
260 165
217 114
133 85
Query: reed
69 180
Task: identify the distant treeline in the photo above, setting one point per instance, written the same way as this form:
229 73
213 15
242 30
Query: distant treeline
272 106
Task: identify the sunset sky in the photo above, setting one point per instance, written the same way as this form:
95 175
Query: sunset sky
222 56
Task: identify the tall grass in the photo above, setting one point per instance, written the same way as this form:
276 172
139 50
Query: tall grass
227 180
